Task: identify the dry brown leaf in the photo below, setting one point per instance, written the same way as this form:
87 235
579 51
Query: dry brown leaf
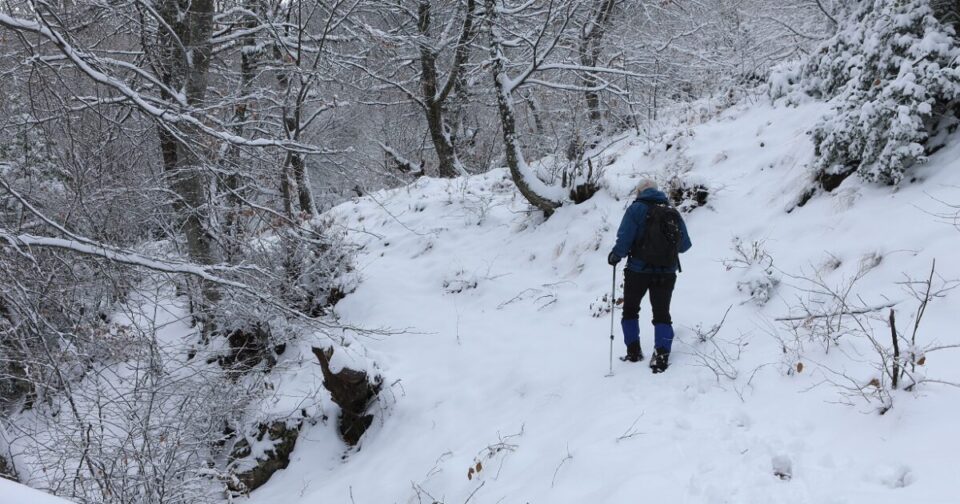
799 367
470 474
922 360
875 382
479 466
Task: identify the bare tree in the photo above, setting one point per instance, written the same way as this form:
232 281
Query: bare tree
590 47
421 50
437 93
539 44
146 153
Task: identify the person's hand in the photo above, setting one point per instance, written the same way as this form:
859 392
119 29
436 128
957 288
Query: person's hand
613 259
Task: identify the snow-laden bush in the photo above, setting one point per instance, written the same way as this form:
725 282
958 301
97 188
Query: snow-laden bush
758 278
784 80
309 269
323 268
758 284
892 73
685 190
459 281
74 331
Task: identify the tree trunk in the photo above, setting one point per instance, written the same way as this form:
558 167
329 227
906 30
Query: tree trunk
531 102
447 162
304 193
286 188
590 48
519 171
435 97
294 160
182 161
232 224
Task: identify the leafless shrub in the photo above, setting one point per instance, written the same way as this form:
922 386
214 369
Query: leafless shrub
947 213
824 312
908 353
839 312
715 353
499 450
137 427
759 279
479 467
477 206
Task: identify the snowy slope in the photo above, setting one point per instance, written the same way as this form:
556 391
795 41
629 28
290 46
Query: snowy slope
501 361
15 493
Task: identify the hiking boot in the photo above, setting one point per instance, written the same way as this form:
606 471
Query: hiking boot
634 353
659 361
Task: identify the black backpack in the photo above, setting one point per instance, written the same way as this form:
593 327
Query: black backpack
659 247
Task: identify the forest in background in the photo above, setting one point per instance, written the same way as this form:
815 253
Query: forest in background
191 148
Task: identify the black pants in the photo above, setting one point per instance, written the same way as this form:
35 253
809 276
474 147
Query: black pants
636 285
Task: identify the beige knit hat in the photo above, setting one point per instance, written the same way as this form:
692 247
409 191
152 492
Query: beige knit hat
646 183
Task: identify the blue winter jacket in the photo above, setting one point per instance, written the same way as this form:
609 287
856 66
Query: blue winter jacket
634 224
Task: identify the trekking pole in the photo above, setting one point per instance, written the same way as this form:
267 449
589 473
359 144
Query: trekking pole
613 305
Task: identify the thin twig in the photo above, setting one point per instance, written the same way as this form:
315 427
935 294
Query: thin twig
859 311
631 432
475 490
562 461
920 311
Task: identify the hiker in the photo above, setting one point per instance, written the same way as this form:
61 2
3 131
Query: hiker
651 235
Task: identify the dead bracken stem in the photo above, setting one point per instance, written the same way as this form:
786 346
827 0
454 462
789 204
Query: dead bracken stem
896 350
560 465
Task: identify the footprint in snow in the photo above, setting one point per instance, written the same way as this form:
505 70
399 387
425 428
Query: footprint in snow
898 476
782 467
741 420
682 424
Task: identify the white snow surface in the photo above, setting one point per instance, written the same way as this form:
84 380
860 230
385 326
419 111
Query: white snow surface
15 493
501 361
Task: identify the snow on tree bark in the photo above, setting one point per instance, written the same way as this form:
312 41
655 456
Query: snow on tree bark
539 194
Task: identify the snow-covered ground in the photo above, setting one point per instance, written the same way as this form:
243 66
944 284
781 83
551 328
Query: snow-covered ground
496 384
15 493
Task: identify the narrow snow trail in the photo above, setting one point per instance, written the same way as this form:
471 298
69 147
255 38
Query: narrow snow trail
503 362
